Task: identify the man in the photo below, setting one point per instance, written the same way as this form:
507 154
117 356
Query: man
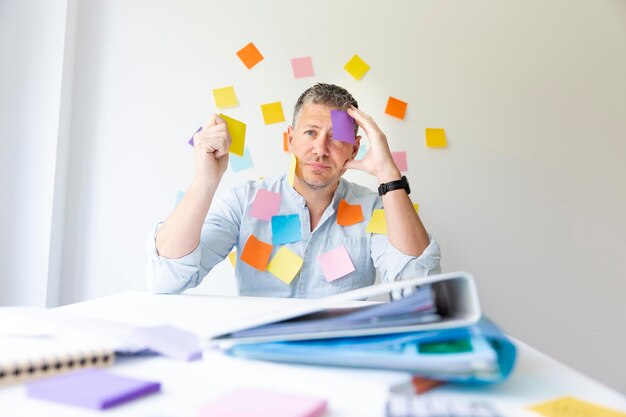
184 248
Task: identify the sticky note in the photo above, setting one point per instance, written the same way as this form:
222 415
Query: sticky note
436 138
286 141
291 175
285 265
91 388
250 402
335 263
167 340
232 257
256 253
400 159
250 55
237 132
286 229
239 163
343 126
378 222
179 197
194 134
356 67
302 67
272 113
362 151
348 214
573 407
265 205
225 97
396 108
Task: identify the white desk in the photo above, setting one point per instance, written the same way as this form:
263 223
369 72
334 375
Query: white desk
350 393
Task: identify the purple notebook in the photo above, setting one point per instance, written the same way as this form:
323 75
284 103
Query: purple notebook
91 388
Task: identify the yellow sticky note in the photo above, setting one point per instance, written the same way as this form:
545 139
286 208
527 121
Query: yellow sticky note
436 138
572 407
285 265
378 222
232 257
237 132
225 97
356 67
292 169
272 113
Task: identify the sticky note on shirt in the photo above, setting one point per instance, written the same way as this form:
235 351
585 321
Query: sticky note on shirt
336 263
348 214
232 257
302 67
91 388
400 159
286 229
378 222
239 163
265 205
237 132
225 97
285 265
436 138
272 113
250 55
249 402
343 126
170 341
256 253
573 407
356 67
396 108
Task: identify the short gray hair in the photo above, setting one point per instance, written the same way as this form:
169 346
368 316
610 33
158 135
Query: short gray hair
327 94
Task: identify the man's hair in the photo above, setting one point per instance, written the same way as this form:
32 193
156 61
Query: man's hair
327 94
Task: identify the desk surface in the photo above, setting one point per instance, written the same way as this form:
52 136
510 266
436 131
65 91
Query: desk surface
351 393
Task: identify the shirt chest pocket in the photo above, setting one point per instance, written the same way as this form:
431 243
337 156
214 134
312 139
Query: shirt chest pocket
358 251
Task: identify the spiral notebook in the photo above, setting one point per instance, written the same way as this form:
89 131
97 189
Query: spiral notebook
27 358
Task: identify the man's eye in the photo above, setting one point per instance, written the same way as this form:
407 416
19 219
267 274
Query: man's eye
310 132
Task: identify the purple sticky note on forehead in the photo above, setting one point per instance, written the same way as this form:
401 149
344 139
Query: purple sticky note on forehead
343 126
191 140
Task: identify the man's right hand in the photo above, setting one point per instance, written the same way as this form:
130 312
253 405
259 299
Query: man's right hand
211 150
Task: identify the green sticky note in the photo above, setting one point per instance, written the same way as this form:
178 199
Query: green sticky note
449 346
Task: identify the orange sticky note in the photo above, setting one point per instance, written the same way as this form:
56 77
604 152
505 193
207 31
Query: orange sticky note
396 108
286 141
272 113
256 253
356 67
232 257
348 214
378 222
249 55
436 138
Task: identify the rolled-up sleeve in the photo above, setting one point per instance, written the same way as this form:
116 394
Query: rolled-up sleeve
219 234
392 264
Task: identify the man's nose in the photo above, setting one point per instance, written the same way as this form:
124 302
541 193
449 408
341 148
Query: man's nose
320 145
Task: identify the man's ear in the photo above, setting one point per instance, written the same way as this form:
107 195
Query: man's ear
290 133
356 146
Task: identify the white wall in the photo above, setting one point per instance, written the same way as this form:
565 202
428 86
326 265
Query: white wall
529 196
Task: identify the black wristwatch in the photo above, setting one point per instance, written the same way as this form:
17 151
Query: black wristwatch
402 183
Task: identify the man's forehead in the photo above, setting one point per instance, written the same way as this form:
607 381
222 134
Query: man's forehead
314 114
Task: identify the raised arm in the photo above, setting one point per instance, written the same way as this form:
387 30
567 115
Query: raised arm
405 230
180 233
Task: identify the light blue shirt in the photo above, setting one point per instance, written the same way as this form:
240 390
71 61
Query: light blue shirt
229 224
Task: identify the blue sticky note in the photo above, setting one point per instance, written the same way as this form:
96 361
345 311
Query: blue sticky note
343 126
194 134
286 229
362 152
179 197
239 163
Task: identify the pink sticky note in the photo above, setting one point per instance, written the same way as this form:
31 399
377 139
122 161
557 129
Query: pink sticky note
249 402
266 204
336 263
400 159
302 67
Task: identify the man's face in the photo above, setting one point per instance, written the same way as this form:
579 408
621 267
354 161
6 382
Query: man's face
320 157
